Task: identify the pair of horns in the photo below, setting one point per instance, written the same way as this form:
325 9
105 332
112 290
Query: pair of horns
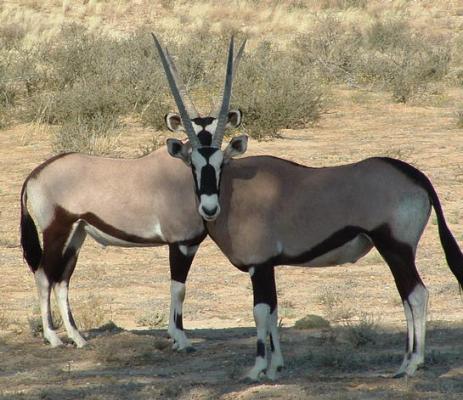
186 107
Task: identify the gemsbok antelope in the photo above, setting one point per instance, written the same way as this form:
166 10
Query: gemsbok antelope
148 201
276 212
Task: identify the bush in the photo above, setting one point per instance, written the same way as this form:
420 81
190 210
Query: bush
364 332
96 136
312 321
388 54
275 93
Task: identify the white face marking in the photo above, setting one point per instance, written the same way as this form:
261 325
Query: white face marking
210 128
251 271
209 202
198 160
216 161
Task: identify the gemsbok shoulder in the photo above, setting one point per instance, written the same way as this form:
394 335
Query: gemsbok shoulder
149 201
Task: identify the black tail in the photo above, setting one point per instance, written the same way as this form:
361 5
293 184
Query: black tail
32 252
452 251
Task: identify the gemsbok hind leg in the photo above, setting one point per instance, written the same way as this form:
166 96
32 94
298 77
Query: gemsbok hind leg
265 316
401 259
44 289
61 246
180 258
61 286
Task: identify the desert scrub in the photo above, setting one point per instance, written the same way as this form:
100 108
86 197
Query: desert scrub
362 332
388 54
275 93
77 78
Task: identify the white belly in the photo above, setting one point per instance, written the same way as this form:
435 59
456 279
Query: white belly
106 239
350 252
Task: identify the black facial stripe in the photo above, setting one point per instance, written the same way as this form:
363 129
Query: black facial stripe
203 121
208 180
205 138
207 152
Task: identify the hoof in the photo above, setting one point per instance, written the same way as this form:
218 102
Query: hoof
253 377
274 374
80 343
54 343
399 374
189 349
247 380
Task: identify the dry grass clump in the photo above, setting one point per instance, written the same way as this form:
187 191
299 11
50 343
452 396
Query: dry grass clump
90 313
276 92
389 54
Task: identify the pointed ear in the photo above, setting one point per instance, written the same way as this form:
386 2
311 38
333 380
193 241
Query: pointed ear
234 119
237 146
174 122
178 149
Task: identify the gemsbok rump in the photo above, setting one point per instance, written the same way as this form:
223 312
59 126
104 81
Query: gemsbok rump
148 201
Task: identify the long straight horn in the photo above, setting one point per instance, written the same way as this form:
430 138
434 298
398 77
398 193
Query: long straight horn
170 70
219 133
215 112
189 105
223 114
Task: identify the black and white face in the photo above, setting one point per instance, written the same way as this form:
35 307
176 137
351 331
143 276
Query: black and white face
206 161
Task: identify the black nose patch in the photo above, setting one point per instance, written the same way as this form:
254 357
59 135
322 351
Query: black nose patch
208 180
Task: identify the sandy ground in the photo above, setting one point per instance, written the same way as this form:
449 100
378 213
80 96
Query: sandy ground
132 359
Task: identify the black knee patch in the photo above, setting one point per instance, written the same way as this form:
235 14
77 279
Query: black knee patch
178 321
272 347
260 348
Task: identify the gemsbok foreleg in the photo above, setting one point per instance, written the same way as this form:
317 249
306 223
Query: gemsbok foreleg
61 249
401 259
265 317
180 258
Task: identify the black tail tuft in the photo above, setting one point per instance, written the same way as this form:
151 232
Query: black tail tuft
32 252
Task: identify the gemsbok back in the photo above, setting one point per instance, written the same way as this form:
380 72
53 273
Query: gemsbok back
148 201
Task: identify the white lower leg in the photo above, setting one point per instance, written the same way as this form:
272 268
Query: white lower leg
175 329
61 293
276 362
418 301
410 339
261 317
44 289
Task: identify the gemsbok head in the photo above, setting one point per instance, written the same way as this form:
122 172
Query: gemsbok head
205 133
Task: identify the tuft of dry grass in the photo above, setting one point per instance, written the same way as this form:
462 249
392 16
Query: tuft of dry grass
90 313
